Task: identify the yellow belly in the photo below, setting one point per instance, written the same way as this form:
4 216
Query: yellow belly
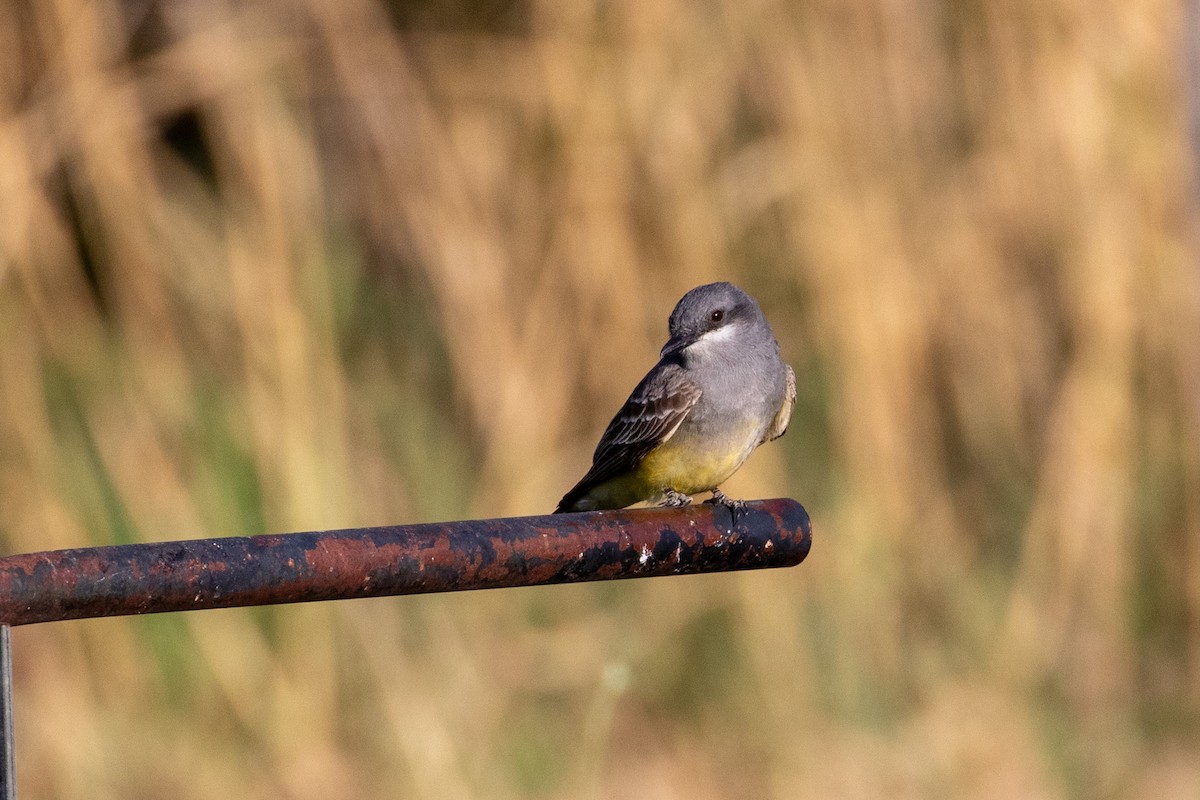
689 466
686 463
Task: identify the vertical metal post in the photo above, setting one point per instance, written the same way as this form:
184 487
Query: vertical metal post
8 779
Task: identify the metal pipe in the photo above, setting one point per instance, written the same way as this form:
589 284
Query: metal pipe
402 559
8 777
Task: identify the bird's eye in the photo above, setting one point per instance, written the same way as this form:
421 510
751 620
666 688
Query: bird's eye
717 315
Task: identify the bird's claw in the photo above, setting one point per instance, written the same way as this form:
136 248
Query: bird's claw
719 497
674 499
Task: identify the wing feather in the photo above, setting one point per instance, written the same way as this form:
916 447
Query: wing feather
651 415
779 424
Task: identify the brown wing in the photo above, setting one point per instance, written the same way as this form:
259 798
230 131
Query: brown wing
783 416
649 417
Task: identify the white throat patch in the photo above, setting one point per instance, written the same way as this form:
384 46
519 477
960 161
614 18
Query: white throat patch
714 338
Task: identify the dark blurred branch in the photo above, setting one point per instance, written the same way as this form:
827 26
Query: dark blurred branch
395 560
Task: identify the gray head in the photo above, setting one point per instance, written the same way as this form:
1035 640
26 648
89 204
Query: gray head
713 313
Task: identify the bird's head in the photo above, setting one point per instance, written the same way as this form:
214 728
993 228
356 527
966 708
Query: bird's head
709 315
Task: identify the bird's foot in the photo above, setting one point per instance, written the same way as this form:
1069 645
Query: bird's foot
674 499
723 499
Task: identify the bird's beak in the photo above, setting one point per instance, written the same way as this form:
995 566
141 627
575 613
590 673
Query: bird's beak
677 343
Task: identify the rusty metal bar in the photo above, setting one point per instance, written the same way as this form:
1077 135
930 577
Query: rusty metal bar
401 559
8 777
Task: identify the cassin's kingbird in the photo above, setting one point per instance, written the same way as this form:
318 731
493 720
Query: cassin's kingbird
719 390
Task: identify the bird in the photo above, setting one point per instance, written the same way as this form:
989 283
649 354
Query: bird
719 390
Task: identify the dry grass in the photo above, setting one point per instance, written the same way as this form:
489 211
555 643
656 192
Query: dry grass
295 264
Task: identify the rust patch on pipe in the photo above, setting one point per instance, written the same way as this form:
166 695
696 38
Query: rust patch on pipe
401 559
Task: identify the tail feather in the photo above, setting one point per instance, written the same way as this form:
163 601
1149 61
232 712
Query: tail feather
567 504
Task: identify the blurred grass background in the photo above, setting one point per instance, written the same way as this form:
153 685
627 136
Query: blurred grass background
292 264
